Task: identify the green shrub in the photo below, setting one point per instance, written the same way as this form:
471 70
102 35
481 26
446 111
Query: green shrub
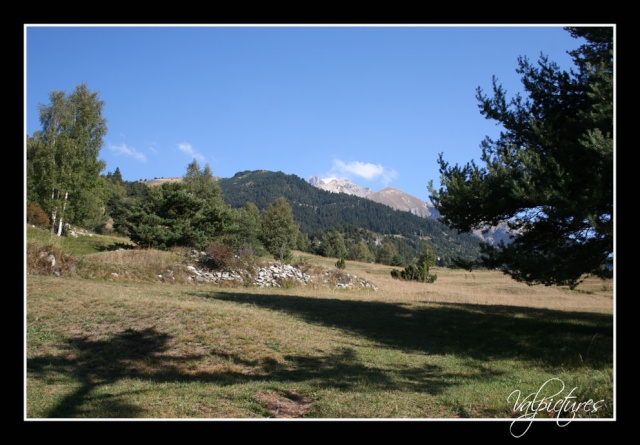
414 273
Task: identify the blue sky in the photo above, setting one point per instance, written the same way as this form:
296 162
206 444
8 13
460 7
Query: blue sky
373 104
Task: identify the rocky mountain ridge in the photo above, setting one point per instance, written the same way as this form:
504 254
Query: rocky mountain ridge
389 196
334 185
399 200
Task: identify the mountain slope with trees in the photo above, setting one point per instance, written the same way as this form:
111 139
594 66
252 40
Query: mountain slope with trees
318 212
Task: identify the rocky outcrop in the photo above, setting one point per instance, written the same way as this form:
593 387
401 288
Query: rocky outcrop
270 275
274 275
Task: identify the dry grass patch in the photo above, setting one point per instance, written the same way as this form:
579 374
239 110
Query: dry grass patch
478 287
288 405
137 265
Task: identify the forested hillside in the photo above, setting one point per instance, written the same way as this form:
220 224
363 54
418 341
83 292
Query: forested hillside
318 211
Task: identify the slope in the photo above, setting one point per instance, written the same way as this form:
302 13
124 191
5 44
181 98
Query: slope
318 210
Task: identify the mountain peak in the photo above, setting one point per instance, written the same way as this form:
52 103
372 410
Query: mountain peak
389 196
335 185
400 200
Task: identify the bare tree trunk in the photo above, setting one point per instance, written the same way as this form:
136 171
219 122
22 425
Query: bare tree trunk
53 222
64 205
53 213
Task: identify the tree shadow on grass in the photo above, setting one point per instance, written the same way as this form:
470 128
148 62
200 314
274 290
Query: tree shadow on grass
99 363
549 338
342 369
144 355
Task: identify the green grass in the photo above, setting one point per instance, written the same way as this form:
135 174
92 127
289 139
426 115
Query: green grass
82 245
136 348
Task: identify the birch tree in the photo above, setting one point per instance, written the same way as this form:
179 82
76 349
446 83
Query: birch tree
62 158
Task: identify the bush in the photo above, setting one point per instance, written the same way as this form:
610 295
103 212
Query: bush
341 264
219 257
414 273
37 217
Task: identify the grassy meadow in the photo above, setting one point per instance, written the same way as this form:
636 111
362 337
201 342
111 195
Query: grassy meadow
107 339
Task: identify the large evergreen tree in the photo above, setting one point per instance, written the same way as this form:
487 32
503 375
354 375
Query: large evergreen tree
173 216
247 228
202 183
63 168
550 173
189 213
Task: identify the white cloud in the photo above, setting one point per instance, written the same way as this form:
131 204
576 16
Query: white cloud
388 176
364 170
185 147
124 150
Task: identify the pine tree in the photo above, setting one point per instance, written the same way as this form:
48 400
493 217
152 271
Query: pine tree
248 226
202 183
549 176
189 213
279 231
425 261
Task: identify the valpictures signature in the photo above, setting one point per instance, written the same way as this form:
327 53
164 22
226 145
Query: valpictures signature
546 400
